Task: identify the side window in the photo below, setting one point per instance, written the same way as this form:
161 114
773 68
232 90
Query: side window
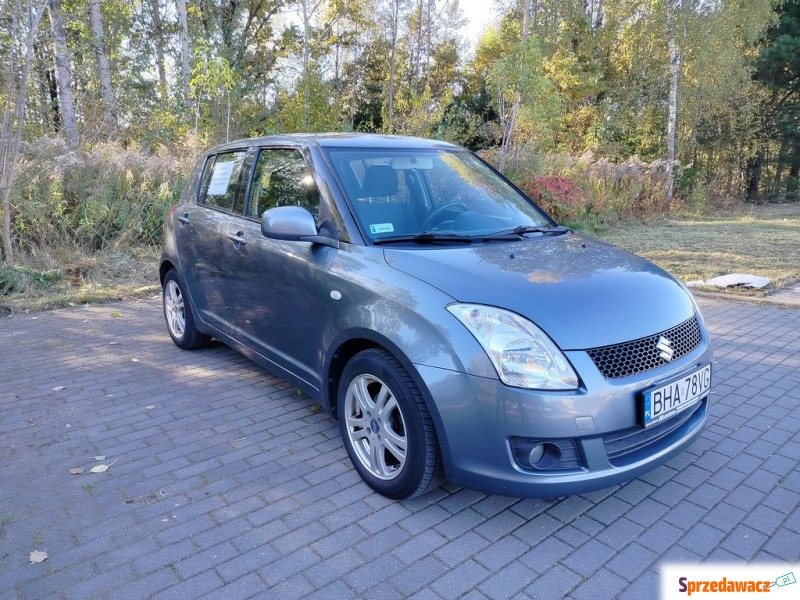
282 178
224 182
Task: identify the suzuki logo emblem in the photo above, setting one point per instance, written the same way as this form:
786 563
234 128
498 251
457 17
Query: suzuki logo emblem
665 351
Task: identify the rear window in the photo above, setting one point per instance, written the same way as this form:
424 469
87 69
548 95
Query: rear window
224 182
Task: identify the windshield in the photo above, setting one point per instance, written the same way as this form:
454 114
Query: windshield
397 193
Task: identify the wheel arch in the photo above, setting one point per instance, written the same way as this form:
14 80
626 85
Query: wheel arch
350 343
165 267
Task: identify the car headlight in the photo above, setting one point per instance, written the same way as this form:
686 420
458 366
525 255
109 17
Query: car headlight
522 353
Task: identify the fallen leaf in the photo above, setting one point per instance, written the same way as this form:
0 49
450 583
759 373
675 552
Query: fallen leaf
115 315
99 469
316 407
100 457
58 388
37 556
76 471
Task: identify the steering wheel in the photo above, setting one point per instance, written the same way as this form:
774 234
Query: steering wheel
432 218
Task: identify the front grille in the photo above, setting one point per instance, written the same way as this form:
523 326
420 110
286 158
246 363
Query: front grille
642 355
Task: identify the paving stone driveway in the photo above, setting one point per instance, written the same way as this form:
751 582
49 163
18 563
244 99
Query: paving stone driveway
224 483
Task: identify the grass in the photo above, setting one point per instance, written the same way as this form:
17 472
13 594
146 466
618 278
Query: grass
68 277
756 240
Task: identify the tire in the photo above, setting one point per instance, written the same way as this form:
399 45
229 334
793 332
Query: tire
386 426
178 314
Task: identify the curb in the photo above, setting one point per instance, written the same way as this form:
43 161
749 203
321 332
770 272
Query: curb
766 300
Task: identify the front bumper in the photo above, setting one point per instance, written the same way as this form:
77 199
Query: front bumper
478 419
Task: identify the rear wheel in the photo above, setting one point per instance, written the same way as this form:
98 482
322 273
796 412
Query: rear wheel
179 317
386 426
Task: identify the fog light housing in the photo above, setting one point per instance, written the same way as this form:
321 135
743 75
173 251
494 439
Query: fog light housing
545 455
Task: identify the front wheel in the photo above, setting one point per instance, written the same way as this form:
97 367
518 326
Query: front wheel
179 317
386 426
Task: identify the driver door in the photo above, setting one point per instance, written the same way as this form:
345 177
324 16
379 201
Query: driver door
279 286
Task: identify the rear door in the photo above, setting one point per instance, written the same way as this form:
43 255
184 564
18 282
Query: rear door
204 234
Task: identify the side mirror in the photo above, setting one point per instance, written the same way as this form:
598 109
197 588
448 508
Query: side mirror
293 223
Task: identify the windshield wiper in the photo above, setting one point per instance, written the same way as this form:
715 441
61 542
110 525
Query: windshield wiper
431 237
523 229
426 237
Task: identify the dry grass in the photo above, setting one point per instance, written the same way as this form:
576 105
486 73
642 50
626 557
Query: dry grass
757 240
103 276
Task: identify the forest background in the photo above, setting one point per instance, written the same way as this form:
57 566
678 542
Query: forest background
598 109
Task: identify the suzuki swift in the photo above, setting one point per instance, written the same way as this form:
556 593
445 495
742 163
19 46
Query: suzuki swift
451 326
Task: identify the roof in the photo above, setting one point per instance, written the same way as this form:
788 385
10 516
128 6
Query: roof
339 140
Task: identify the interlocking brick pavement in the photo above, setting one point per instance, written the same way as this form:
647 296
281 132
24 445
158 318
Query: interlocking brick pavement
223 481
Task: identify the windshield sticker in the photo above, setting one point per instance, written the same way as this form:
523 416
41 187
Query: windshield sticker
220 178
381 228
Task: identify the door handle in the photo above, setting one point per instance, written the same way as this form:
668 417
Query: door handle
184 219
237 238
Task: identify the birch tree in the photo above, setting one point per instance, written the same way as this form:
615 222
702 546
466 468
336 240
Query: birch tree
674 57
393 58
63 78
158 34
25 19
103 69
186 71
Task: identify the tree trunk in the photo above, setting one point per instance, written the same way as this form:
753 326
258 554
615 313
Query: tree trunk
158 35
183 24
14 114
306 99
526 19
395 27
63 79
509 125
755 167
103 69
428 42
52 112
672 120
416 70
779 166
793 181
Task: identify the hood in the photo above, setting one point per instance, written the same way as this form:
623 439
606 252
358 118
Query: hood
583 293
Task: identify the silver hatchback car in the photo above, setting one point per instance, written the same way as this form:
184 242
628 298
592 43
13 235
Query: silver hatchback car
453 328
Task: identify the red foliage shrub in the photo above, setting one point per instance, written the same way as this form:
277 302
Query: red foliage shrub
561 197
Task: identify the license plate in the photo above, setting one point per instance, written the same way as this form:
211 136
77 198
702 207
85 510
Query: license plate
668 400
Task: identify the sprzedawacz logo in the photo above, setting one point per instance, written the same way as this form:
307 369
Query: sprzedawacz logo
734 581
